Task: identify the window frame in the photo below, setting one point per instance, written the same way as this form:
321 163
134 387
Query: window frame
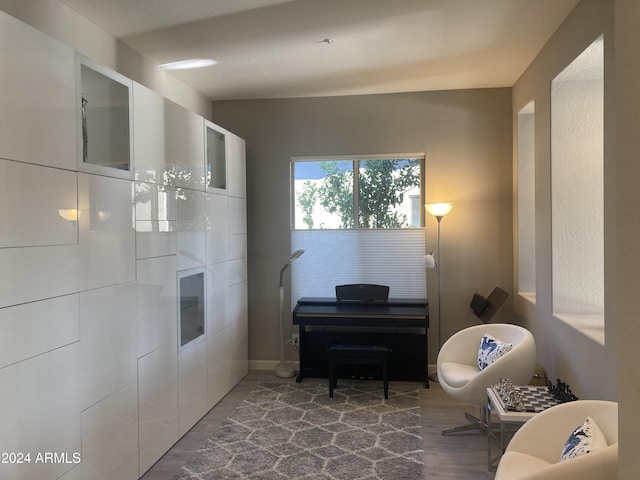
355 160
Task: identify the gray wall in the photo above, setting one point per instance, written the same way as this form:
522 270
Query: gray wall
589 367
466 136
626 290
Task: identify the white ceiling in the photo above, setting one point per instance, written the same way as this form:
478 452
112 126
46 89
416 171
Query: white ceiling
275 48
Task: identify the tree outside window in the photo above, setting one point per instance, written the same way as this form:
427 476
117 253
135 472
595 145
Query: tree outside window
379 195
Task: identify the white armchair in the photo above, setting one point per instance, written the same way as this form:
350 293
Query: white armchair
534 451
460 377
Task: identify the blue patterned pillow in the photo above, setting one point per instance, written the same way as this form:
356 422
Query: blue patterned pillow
491 349
585 439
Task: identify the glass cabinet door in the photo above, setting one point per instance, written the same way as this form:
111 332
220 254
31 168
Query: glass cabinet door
104 120
216 158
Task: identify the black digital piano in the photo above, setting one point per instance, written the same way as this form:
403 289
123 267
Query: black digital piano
400 323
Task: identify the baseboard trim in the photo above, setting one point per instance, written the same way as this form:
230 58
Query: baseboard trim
270 365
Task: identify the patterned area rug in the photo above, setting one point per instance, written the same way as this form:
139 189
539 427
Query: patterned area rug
294 430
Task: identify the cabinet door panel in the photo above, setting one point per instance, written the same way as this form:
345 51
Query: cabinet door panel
184 135
37 97
236 165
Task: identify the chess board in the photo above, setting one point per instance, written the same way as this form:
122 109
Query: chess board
535 399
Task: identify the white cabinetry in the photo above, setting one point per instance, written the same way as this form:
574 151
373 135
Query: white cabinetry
226 260
90 260
37 114
104 120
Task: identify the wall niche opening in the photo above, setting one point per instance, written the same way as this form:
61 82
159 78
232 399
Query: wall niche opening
527 203
577 186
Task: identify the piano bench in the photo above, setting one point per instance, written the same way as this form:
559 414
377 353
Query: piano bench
358 355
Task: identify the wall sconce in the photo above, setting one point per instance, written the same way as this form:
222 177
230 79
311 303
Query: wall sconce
69 214
429 260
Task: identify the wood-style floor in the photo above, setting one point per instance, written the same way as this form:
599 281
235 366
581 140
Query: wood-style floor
461 457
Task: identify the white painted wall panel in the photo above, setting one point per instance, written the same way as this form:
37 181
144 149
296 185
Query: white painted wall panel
158 404
40 412
217 212
184 147
108 341
31 196
217 297
149 127
31 274
238 246
34 328
104 256
154 202
192 381
237 271
37 114
155 238
110 436
107 238
218 366
238 312
238 331
236 166
157 305
238 362
237 215
191 229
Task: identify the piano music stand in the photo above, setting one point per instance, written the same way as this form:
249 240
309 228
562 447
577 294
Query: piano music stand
362 292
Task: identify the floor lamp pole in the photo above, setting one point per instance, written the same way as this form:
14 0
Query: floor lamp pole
434 377
438 210
439 218
284 369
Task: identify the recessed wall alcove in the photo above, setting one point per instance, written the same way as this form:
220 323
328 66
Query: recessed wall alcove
526 203
577 208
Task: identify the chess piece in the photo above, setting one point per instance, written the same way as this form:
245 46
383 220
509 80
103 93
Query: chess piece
561 391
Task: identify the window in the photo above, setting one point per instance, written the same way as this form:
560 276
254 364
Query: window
359 221
357 192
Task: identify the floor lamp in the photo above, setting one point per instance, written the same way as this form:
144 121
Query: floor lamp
438 210
283 369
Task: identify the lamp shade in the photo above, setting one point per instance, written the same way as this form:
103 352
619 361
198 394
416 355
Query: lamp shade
438 209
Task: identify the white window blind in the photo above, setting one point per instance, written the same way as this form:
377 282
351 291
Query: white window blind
337 257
